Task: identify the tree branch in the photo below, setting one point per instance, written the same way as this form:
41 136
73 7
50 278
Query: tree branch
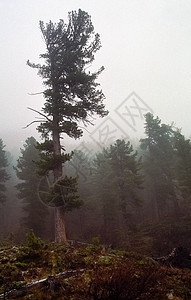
33 94
85 122
38 112
82 127
33 123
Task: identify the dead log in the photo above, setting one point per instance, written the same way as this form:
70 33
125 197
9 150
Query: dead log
179 257
51 282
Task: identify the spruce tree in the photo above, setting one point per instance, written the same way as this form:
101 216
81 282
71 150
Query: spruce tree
159 162
118 178
35 211
3 174
105 195
126 167
183 166
71 96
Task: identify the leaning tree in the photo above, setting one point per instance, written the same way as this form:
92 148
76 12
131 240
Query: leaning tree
71 97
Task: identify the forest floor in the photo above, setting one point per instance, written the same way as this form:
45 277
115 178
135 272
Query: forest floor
37 270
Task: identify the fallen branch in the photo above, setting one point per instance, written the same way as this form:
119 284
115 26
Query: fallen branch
50 281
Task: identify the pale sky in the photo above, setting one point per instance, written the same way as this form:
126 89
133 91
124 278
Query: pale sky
146 49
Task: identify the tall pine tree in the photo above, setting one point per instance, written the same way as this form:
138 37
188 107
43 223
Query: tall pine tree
71 96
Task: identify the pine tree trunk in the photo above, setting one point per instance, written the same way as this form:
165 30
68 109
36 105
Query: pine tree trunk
60 230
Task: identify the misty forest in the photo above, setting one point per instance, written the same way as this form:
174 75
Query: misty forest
113 224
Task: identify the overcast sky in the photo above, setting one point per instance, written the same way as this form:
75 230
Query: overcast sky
146 51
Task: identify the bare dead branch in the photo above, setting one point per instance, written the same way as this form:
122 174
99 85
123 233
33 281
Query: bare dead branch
33 123
38 112
39 118
34 94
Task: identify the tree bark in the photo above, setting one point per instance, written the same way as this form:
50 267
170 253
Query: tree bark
60 230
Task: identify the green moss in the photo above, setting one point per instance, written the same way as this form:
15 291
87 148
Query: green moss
33 242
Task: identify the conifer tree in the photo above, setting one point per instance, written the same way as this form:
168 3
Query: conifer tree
183 165
127 177
71 96
159 163
105 195
3 174
35 211
118 180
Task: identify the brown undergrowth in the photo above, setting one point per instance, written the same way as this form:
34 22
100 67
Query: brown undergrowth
99 274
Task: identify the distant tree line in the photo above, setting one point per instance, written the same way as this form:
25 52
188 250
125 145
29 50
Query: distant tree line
120 188
126 188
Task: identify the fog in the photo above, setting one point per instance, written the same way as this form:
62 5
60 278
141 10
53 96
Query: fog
146 52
